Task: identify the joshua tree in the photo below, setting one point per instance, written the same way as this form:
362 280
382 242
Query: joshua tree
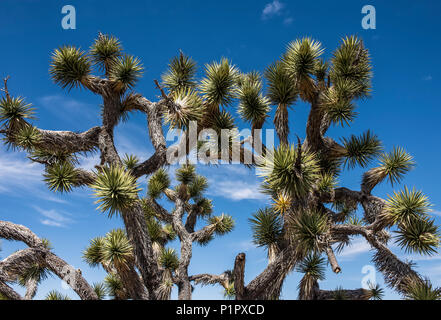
310 217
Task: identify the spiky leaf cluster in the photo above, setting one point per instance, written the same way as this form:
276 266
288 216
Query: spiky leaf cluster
290 170
114 286
281 87
418 290
125 72
69 67
130 161
186 174
223 223
116 189
419 235
360 150
407 206
55 295
61 177
188 106
253 106
393 166
351 64
300 62
267 227
100 290
13 110
27 137
180 74
105 51
169 259
157 183
220 82
307 229
117 249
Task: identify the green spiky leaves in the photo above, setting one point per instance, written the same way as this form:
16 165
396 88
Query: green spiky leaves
407 206
12 110
181 73
419 235
393 166
69 67
100 290
327 182
117 249
130 161
61 177
186 174
281 88
94 253
158 182
307 229
188 106
418 290
300 61
125 72
291 170
338 106
351 66
267 227
112 250
253 106
27 137
105 51
168 259
55 295
360 150
223 223
313 266
197 187
116 190
219 85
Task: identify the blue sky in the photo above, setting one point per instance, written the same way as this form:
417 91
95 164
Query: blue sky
404 109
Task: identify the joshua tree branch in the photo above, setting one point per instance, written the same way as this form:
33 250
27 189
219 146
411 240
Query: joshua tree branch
38 253
8 292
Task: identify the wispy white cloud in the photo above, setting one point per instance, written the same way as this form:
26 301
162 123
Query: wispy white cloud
69 109
272 9
16 172
287 21
53 217
238 190
357 247
428 78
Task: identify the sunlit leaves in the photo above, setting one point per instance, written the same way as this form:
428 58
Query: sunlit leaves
188 106
158 182
105 51
69 67
291 170
125 72
61 176
360 150
168 259
267 227
116 190
406 206
307 229
180 74
419 235
219 85
223 223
